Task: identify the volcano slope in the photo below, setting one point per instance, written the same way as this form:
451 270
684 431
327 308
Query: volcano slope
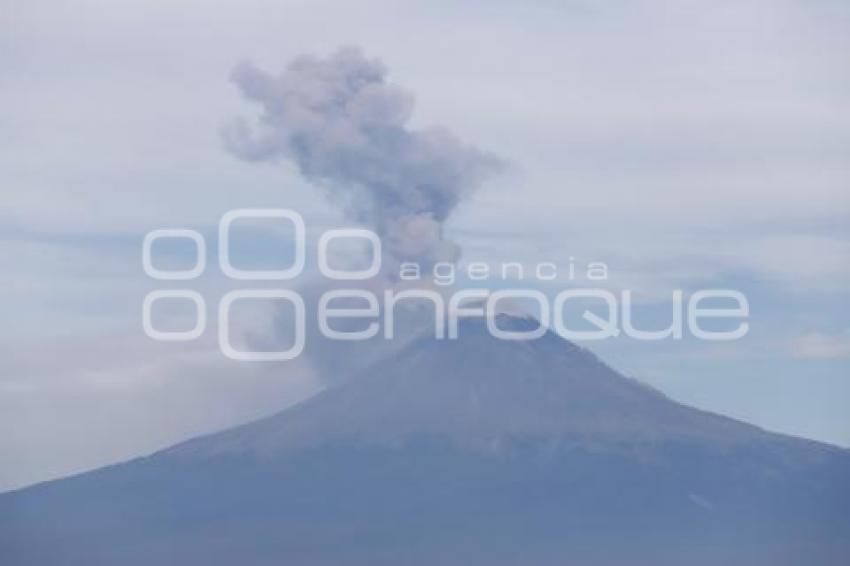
468 451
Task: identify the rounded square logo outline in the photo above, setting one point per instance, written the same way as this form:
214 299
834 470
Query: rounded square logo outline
181 275
181 335
261 274
266 356
338 274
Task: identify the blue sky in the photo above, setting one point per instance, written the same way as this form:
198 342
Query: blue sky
682 143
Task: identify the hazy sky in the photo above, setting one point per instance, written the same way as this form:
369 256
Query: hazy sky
686 144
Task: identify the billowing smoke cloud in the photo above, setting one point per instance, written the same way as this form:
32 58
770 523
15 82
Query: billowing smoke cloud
345 127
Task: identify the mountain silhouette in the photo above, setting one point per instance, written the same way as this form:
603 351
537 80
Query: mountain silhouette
467 451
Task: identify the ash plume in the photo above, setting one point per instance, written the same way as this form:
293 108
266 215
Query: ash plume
346 129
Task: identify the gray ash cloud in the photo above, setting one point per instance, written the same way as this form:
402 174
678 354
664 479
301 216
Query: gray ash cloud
346 128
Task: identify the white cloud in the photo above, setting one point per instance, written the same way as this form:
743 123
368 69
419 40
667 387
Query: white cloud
820 346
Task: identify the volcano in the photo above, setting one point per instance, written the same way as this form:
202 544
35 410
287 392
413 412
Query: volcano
467 451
